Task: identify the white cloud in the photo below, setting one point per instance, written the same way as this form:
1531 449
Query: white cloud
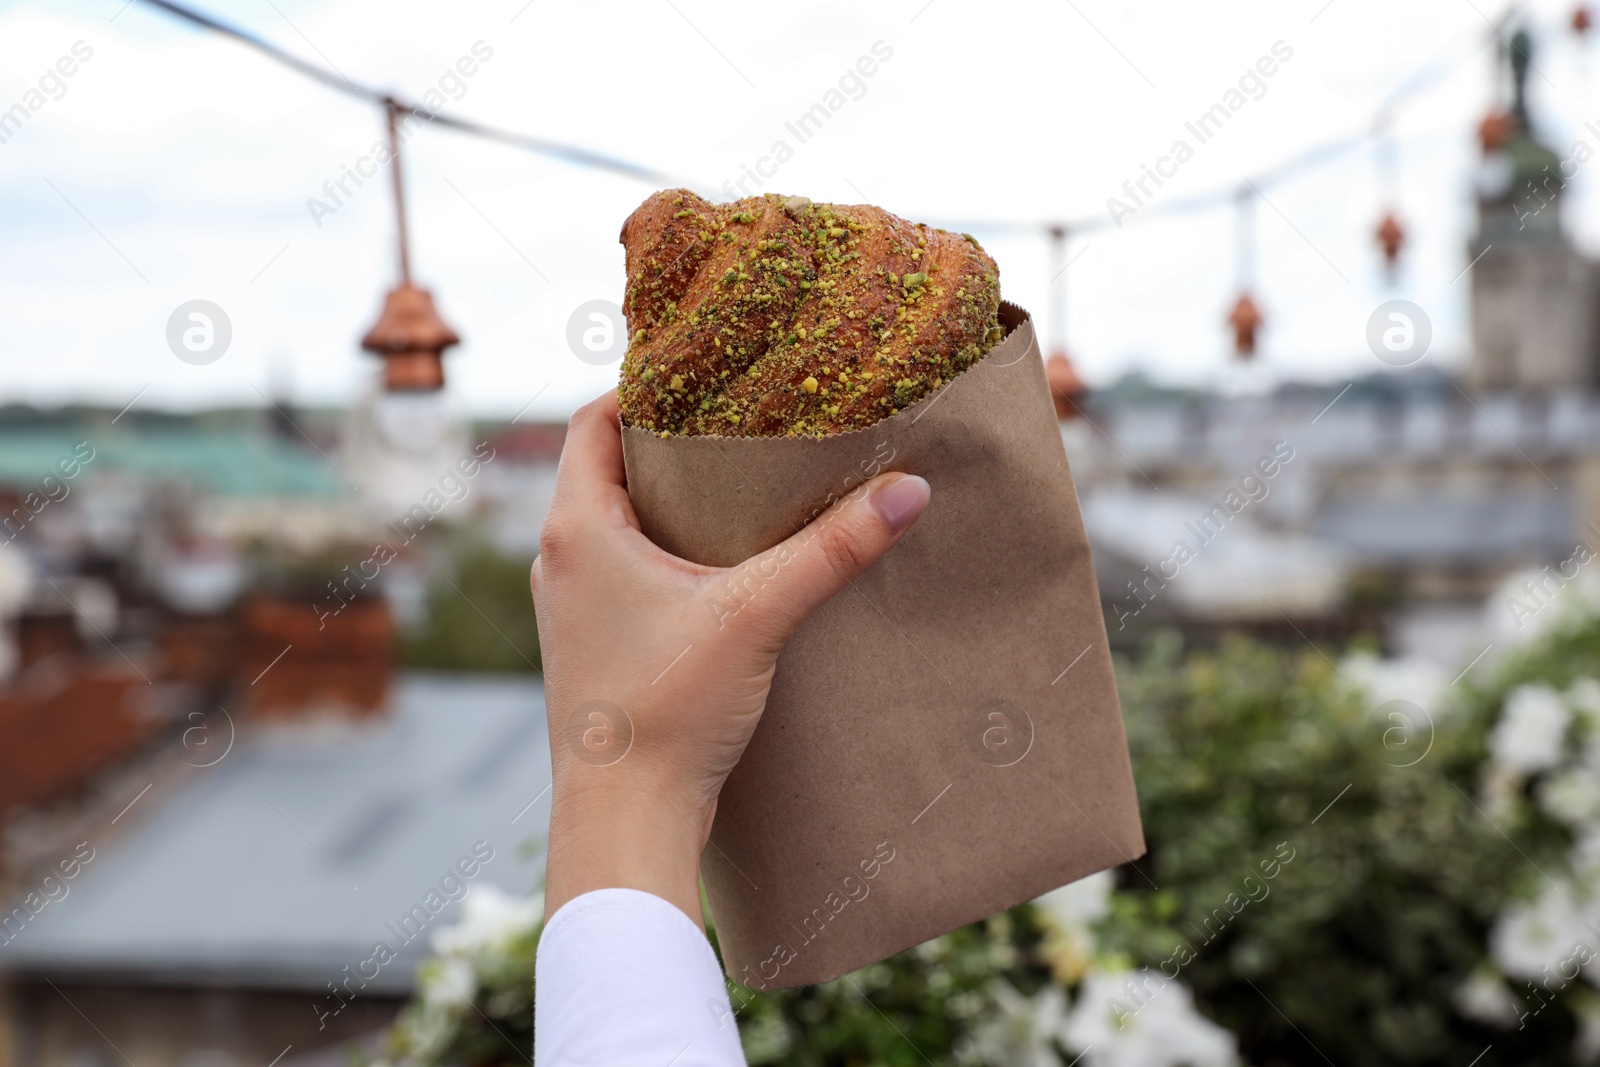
194 157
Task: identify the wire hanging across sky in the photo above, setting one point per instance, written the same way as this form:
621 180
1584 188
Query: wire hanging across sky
577 155
570 153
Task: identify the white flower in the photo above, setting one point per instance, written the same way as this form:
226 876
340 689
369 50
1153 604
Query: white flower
1584 697
427 1033
489 918
1585 854
1532 730
1140 1019
452 981
1530 936
1484 997
1079 904
1415 680
1023 1031
1531 604
1571 797
1068 915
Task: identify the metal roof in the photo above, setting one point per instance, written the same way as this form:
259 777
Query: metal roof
234 462
1241 568
294 854
1449 525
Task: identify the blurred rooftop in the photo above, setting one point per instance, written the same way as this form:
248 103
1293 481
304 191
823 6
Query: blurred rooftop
228 461
282 863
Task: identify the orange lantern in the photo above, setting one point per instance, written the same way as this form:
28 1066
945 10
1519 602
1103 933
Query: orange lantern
1066 388
411 338
1494 131
1391 237
1246 320
409 335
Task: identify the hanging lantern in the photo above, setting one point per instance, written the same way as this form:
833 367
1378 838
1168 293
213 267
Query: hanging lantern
1246 320
1066 388
1581 20
1494 131
409 335
411 338
1391 238
1245 317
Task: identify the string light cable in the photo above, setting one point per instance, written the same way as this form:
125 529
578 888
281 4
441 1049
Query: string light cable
1306 160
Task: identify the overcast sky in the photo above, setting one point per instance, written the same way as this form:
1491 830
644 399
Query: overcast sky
175 165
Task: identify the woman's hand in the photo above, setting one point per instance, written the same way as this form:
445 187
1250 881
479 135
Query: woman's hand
653 685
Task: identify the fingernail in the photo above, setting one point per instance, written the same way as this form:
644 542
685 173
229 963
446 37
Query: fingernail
900 502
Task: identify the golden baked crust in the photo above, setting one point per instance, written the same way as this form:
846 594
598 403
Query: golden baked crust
774 316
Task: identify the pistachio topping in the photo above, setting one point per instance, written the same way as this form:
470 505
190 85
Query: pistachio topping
777 316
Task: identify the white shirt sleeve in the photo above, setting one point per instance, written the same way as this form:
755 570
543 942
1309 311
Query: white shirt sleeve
625 979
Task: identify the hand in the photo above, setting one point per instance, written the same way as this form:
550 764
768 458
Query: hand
652 686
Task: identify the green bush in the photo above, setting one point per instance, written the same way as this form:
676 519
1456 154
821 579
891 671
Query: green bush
1326 873
479 616
909 1010
1357 948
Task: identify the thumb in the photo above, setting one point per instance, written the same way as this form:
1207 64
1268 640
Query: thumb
789 582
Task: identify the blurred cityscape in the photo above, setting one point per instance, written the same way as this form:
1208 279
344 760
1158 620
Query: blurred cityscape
314 625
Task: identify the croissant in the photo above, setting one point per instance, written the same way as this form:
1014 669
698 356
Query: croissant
774 316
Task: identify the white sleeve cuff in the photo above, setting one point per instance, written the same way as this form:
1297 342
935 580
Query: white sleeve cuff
625 979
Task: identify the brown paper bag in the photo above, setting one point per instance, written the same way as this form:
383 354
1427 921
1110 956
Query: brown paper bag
943 739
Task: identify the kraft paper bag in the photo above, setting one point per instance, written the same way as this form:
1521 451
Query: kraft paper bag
943 738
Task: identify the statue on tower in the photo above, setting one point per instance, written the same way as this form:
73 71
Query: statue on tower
1520 183
1533 293
1521 59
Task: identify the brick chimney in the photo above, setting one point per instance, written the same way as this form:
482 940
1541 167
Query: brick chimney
294 664
64 721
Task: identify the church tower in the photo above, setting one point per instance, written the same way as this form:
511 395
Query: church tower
1533 295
